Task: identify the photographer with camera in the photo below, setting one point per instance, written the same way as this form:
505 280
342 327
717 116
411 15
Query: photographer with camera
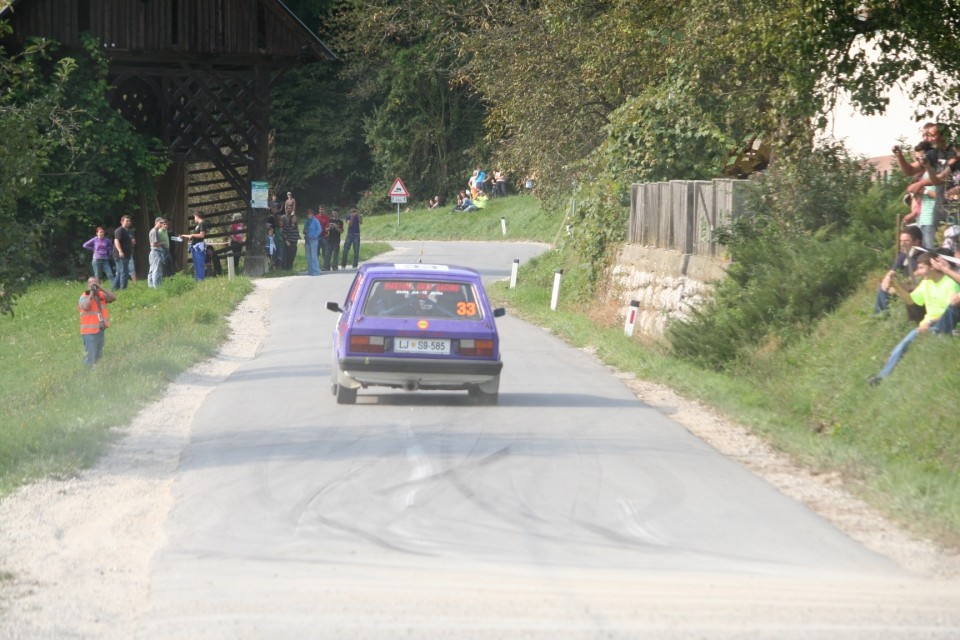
94 319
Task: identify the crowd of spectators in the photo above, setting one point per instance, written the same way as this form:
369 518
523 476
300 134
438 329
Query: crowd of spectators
926 272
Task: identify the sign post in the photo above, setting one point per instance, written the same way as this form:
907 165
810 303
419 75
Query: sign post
259 194
398 194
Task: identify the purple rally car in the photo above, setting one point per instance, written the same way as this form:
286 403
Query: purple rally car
416 326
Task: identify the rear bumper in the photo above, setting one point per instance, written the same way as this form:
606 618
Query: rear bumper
420 372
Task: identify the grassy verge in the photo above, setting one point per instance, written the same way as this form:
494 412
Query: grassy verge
522 215
58 415
896 445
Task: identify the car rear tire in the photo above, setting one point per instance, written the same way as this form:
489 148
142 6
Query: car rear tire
345 395
486 397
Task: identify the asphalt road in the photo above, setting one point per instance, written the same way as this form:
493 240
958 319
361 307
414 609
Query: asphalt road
571 510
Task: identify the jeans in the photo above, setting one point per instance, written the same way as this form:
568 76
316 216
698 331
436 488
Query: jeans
353 239
122 277
323 251
311 246
944 325
897 353
199 254
93 345
101 268
155 275
168 268
883 301
331 254
929 232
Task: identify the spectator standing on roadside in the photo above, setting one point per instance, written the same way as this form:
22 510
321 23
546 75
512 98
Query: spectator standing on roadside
100 245
198 245
237 240
334 230
472 182
499 183
290 204
273 248
164 234
291 236
481 183
353 238
311 242
123 245
324 221
944 154
131 263
94 319
155 275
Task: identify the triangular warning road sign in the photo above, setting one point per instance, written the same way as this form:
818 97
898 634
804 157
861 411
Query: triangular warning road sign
398 189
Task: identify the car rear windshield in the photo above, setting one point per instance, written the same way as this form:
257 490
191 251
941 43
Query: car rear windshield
403 298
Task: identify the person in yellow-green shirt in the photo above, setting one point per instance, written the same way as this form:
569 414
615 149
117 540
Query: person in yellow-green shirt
939 292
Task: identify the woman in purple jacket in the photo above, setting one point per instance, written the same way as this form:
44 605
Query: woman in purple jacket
101 246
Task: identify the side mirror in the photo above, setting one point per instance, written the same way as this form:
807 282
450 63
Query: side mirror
499 312
334 306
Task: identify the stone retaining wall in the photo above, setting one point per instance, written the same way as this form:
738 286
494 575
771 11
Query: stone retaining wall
668 284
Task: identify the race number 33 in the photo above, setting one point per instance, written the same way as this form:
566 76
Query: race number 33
466 309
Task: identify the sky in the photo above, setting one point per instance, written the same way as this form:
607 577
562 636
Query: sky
875 135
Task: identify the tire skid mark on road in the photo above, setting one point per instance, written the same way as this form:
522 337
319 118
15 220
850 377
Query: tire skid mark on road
309 504
266 495
378 540
420 469
446 473
635 524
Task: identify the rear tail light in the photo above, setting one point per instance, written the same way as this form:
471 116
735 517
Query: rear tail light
476 347
367 344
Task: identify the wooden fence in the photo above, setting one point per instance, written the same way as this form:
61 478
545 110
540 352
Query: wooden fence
682 215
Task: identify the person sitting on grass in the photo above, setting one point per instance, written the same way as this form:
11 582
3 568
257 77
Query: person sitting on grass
904 264
937 293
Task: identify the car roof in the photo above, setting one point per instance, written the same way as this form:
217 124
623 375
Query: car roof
392 269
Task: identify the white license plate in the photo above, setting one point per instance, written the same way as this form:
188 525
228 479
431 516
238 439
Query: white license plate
421 345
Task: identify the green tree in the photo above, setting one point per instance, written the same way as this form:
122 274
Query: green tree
32 113
422 120
319 136
812 230
554 71
914 45
105 171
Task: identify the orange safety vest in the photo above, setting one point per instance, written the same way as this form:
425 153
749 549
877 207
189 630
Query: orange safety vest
89 322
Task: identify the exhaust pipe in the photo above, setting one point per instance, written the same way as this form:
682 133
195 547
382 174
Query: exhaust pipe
411 385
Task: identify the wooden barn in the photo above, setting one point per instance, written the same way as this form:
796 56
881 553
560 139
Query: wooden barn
197 74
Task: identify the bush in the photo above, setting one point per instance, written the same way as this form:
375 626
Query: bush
796 254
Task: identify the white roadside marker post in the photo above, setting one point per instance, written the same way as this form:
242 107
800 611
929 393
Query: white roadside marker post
556 289
513 273
631 318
